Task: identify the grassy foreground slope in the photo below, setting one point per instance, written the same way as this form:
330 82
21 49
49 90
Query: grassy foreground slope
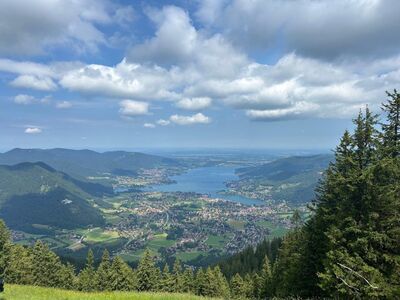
25 292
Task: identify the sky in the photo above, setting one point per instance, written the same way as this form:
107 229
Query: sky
273 74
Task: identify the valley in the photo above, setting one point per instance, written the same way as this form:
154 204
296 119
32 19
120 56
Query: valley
198 209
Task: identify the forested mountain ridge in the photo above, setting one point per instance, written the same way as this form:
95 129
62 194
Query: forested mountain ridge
83 163
35 193
285 168
291 179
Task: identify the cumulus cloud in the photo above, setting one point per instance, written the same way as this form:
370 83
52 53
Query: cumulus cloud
133 108
198 118
29 27
196 103
34 82
33 130
192 68
64 104
28 99
149 125
163 122
338 28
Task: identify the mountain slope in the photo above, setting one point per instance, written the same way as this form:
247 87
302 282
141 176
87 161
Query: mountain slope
83 163
291 179
34 193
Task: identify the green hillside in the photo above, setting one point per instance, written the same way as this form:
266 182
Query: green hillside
83 163
21 292
34 196
292 179
286 168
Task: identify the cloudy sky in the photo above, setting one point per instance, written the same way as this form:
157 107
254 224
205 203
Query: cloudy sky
214 73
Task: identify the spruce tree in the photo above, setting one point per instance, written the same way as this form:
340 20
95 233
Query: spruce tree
147 274
19 268
5 245
122 277
103 273
87 276
166 282
391 128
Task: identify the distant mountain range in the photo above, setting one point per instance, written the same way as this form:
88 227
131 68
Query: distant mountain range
293 179
83 163
34 196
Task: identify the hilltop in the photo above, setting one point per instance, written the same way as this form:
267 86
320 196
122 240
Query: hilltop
34 196
83 163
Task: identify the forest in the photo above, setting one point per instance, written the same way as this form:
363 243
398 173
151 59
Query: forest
349 248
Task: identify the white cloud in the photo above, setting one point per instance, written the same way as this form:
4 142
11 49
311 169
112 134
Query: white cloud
198 118
34 82
33 130
162 122
64 104
30 27
196 103
28 99
25 67
24 99
133 108
366 27
149 125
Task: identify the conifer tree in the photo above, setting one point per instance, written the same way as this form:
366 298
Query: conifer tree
147 274
67 277
391 128
188 281
266 279
5 245
46 266
238 288
19 267
103 273
87 277
166 281
122 277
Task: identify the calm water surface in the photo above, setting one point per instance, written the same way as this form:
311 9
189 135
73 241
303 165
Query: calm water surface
207 180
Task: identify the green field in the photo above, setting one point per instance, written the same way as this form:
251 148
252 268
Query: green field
98 235
20 292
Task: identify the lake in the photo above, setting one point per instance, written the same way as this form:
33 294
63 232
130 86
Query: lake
206 180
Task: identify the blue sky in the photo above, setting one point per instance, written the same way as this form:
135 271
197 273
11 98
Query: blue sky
154 74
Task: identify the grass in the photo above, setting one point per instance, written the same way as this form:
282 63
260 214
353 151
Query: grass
98 235
21 292
216 241
186 256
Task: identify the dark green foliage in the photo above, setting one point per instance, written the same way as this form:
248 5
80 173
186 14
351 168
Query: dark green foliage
34 193
250 260
87 276
148 275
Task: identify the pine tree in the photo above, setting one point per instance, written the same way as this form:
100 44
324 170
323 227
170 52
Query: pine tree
177 276
147 274
46 266
87 277
166 282
188 281
238 288
103 273
19 268
266 279
391 129
122 276
67 277
5 245
222 286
